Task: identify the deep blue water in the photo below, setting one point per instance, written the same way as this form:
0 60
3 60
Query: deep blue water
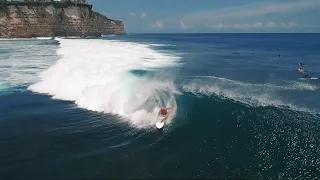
242 111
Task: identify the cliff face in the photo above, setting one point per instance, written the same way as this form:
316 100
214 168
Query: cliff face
47 21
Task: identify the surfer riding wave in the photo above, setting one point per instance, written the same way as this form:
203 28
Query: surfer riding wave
112 78
164 113
163 116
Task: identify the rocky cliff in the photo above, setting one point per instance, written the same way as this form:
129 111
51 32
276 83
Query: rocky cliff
25 20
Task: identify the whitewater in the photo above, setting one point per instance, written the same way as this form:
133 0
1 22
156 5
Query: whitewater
129 80
256 95
97 75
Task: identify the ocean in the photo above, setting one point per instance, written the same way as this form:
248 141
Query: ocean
87 108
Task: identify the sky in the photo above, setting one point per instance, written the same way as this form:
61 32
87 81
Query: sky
213 16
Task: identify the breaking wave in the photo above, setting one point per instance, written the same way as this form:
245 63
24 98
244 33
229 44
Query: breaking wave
101 75
125 79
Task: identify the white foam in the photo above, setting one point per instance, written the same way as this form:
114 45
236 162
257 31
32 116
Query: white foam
14 39
44 38
247 93
108 35
22 60
95 74
285 84
162 45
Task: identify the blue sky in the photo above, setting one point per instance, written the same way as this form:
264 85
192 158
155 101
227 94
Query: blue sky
191 16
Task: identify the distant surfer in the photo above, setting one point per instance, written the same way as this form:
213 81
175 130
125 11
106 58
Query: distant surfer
301 70
164 113
307 76
301 64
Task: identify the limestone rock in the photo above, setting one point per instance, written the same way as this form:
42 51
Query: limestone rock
25 21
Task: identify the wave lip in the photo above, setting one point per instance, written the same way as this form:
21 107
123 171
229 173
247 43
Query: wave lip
98 78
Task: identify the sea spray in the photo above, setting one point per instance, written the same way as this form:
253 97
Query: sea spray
98 78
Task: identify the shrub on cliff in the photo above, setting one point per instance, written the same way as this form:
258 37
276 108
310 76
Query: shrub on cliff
66 4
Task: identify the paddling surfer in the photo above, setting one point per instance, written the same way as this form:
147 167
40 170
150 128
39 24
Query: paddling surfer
307 76
301 70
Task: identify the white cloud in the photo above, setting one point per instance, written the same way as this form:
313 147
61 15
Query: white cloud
256 25
235 26
132 14
292 24
271 24
245 16
158 25
251 26
184 26
253 10
143 15
289 24
216 26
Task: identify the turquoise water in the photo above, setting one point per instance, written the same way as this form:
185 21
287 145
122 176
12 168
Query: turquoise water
86 108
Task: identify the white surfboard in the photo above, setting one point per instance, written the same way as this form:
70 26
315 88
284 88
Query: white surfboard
160 125
312 78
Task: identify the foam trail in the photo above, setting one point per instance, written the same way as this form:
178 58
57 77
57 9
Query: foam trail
286 85
247 93
98 78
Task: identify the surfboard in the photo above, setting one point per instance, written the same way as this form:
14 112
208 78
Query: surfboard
160 125
312 78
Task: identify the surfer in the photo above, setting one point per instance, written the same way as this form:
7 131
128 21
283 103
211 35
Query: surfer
164 112
301 64
307 76
301 70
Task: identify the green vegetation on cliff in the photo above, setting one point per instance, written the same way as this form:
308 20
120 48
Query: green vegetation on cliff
56 4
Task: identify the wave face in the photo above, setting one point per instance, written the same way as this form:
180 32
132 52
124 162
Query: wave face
101 75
